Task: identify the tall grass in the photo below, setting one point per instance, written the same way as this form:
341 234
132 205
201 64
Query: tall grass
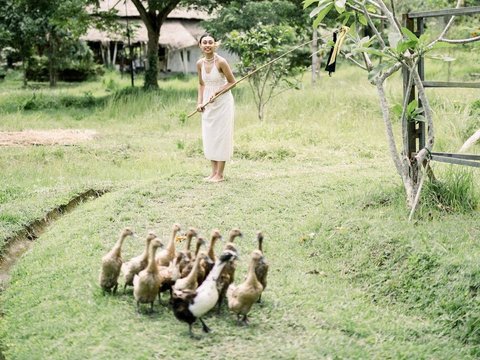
454 191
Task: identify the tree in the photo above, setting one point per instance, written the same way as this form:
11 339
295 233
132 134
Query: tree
46 26
18 30
244 15
257 47
382 56
259 31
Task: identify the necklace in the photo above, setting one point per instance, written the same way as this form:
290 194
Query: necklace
209 60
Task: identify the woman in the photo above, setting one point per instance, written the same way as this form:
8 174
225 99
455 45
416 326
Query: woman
215 75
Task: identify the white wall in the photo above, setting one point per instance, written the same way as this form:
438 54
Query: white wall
175 63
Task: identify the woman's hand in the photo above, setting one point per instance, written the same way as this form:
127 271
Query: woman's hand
200 107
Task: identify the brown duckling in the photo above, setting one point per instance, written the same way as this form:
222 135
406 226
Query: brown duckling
227 276
242 297
190 282
170 274
112 264
211 249
168 254
187 266
261 270
137 264
147 283
191 233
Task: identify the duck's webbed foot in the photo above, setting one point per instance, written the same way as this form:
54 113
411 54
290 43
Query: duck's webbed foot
205 328
190 331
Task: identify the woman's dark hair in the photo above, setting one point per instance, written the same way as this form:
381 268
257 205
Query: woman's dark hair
204 36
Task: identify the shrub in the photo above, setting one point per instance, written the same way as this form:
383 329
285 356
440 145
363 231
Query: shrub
453 192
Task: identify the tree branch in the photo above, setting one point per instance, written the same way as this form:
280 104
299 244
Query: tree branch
368 62
392 4
426 108
350 58
143 12
388 127
373 27
447 27
460 41
389 15
376 16
390 71
404 109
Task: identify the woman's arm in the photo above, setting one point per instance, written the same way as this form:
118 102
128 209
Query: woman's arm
201 86
227 71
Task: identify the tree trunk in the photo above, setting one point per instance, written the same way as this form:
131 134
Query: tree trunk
114 59
261 110
52 58
109 55
315 61
151 73
52 67
24 67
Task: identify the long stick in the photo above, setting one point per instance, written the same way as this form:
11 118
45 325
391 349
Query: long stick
212 99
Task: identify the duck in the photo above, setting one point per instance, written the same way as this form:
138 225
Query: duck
190 305
137 264
261 270
191 233
170 274
112 264
216 235
227 275
147 283
242 297
168 254
190 282
187 266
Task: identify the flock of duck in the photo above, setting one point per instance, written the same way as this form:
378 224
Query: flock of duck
196 281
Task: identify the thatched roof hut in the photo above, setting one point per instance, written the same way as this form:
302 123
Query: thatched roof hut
178 36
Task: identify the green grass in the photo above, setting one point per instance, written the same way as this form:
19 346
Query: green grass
350 277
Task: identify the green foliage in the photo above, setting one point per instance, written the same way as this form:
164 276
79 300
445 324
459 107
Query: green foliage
76 65
412 112
245 15
454 191
44 102
258 46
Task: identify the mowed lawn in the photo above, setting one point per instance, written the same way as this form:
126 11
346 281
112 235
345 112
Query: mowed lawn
349 277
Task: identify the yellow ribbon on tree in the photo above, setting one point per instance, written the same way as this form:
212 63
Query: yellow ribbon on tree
342 33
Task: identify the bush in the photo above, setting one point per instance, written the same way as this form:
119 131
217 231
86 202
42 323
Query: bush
454 192
45 102
76 65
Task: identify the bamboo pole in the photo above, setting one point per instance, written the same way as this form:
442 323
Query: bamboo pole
212 99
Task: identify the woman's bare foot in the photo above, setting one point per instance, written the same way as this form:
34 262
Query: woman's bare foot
217 178
209 177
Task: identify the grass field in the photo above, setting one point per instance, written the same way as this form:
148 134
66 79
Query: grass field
350 277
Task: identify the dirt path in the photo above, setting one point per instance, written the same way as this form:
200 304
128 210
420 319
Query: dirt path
46 137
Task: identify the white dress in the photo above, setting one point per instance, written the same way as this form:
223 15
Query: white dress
217 118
